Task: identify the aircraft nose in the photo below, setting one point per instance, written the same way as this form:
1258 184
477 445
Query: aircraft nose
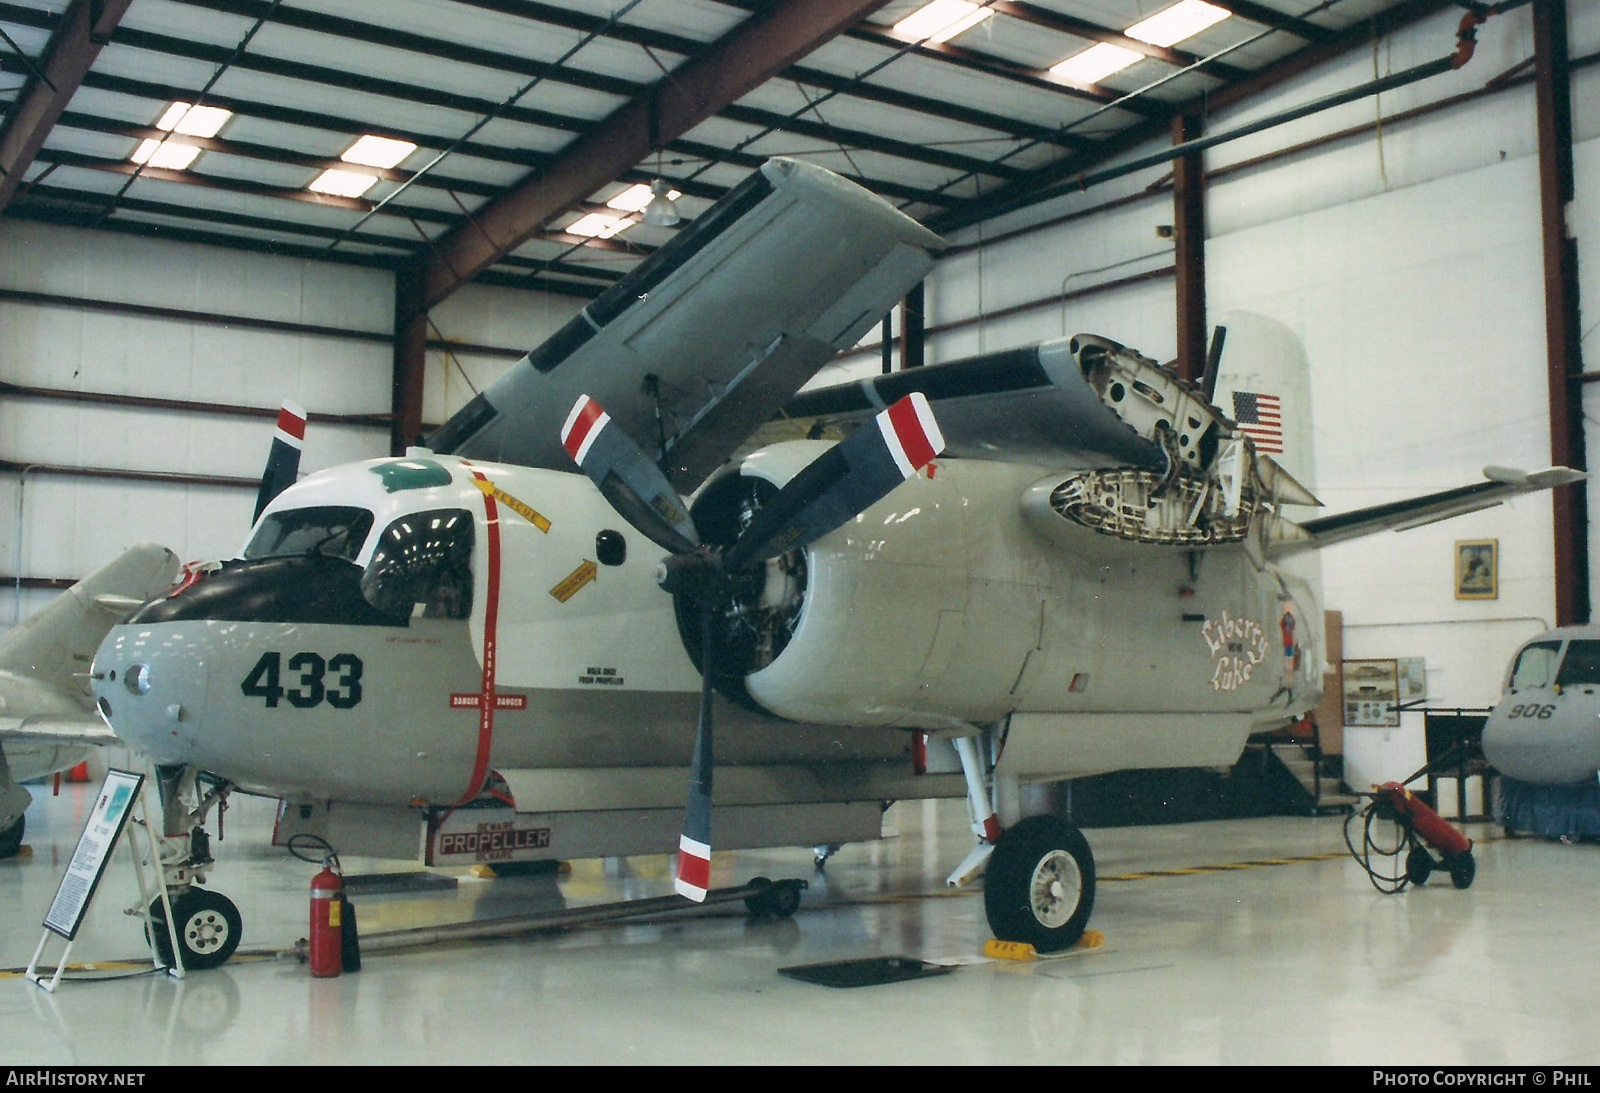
150 688
1560 749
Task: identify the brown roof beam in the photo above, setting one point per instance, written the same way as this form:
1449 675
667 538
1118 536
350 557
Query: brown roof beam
1272 17
82 29
1327 47
745 58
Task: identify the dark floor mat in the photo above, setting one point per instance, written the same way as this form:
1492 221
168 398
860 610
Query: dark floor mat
868 972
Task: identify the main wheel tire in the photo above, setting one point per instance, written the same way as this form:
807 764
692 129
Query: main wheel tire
1039 887
1462 869
1419 866
11 837
209 929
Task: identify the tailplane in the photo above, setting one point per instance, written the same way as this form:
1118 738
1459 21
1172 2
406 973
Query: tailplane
57 644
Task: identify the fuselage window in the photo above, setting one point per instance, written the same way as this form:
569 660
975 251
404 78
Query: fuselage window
331 531
1581 664
1536 666
423 559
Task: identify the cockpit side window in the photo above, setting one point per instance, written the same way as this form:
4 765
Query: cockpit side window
1536 665
1581 664
424 558
331 531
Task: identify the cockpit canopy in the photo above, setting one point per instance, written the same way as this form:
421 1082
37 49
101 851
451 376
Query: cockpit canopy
1553 662
423 558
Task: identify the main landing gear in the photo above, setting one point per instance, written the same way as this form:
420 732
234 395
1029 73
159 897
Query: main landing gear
209 926
1038 874
1040 884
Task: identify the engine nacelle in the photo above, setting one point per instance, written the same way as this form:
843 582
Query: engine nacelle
863 626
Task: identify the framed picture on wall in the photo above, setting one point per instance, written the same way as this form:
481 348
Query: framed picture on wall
1477 569
1371 692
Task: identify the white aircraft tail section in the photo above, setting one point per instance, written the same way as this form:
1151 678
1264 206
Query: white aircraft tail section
56 645
1264 384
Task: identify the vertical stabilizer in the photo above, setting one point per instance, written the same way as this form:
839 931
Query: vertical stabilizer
1264 383
56 645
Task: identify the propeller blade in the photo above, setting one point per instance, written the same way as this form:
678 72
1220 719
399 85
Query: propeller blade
628 478
283 461
843 482
694 846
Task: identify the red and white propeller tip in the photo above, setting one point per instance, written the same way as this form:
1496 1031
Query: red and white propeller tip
694 869
582 426
911 432
291 424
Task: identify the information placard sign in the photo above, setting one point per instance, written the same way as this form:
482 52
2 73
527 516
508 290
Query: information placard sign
99 838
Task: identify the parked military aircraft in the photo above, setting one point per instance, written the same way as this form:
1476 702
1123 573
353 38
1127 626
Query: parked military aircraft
47 718
473 653
1543 735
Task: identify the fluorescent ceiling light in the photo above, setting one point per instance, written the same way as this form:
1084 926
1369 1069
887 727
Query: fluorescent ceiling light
636 197
172 155
343 183
371 151
194 121
1182 20
941 20
598 225
1095 63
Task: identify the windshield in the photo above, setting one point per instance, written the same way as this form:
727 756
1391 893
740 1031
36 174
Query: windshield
1536 666
328 530
1581 664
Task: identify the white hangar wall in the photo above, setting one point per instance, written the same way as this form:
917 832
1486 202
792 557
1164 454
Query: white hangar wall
60 526
1409 261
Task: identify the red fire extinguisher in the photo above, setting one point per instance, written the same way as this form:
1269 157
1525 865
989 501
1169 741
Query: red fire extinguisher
327 924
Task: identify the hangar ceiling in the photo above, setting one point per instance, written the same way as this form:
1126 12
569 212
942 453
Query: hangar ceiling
520 123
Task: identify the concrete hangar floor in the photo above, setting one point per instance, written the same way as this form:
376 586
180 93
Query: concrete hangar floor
1301 962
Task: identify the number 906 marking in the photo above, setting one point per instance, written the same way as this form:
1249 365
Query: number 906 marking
1532 709
309 673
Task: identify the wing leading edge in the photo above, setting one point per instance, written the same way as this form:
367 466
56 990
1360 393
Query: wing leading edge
707 338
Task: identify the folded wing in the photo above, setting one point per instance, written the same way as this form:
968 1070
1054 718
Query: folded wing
710 336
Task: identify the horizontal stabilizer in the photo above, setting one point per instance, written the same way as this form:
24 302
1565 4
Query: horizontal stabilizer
709 336
1503 483
57 729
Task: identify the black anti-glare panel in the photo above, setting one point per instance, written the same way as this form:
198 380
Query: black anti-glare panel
867 972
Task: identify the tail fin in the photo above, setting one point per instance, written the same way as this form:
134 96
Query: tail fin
1264 383
57 644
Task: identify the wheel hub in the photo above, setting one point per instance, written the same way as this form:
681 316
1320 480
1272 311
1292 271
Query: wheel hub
1055 889
206 931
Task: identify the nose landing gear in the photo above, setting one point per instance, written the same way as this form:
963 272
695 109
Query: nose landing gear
209 925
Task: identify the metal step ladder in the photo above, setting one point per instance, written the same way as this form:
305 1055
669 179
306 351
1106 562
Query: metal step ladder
1324 794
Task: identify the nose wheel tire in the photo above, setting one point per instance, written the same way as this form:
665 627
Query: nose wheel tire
1039 887
209 929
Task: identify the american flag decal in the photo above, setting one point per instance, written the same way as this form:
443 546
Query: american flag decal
1260 418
